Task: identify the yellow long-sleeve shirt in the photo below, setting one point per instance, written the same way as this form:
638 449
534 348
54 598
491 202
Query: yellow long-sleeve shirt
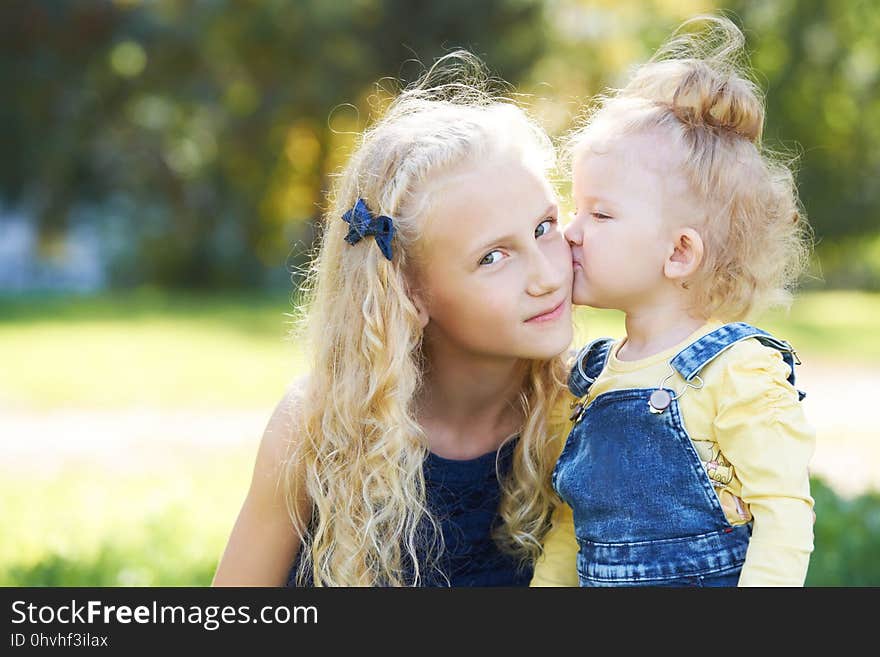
750 431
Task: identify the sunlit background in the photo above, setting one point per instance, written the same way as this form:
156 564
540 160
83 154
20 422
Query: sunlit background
163 165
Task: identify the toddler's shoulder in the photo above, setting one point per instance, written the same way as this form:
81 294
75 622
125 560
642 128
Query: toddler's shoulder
750 364
595 353
587 364
752 351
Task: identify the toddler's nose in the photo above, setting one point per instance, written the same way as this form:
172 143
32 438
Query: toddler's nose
574 233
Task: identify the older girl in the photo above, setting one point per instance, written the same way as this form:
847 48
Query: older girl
418 449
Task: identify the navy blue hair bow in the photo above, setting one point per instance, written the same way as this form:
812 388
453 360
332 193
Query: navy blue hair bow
362 224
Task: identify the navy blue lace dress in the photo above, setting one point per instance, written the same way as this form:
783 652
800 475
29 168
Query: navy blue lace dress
463 497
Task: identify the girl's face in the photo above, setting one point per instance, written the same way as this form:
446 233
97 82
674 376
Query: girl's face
495 271
617 237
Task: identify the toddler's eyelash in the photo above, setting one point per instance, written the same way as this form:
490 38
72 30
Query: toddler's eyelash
597 215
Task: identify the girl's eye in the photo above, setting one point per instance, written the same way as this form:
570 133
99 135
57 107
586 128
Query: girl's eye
600 215
491 258
544 227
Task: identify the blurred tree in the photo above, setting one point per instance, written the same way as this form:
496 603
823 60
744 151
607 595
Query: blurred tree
820 64
200 132
201 135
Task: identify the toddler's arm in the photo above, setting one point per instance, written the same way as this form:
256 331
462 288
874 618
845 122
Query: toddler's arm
557 565
761 429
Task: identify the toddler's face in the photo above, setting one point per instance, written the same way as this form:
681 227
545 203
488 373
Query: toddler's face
618 235
496 270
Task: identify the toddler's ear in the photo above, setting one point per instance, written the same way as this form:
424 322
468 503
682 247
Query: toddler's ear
685 255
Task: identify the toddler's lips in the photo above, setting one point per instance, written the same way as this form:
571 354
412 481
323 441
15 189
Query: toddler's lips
553 313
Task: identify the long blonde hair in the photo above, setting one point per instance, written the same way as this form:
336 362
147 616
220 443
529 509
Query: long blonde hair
696 92
358 448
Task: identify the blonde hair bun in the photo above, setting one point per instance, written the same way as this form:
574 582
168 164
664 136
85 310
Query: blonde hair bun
701 96
701 76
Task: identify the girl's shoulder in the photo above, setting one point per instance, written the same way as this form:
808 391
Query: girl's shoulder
280 434
281 429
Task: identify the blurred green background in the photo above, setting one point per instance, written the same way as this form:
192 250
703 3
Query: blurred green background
165 162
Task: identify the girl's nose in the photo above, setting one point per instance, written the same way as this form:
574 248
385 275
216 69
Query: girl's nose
546 276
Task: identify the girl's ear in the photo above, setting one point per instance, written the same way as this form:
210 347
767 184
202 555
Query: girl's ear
421 308
685 256
419 299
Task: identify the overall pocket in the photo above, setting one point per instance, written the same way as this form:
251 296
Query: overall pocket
699 469
721 475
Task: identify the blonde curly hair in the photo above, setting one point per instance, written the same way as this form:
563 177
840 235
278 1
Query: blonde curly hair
695 92
358 448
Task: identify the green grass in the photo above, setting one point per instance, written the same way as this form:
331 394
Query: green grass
125 526
86 528
146 349
165 522
847 539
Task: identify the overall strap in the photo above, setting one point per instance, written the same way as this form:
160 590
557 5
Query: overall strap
588 365
693 358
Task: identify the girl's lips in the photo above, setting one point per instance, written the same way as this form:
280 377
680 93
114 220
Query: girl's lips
549 316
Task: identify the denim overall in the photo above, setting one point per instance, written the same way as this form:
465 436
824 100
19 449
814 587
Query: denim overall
645 512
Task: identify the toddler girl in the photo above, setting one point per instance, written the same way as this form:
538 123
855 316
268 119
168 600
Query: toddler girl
687 462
